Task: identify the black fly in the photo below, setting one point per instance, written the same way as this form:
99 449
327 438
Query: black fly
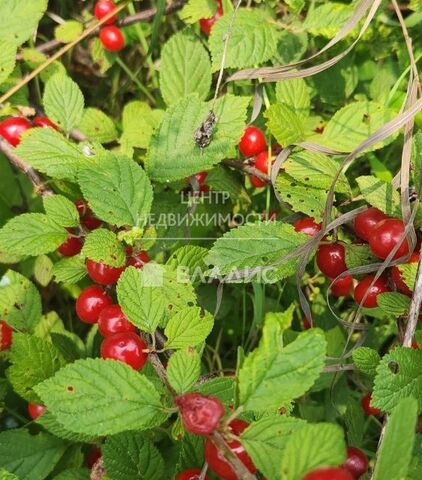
204 133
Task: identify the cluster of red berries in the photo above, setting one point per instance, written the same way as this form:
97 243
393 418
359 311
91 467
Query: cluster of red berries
12 128
111 36
254 144
206 24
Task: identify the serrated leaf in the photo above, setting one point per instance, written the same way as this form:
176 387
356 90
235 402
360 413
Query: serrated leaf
295 95
68 31
194 10
61 210
188 328
173 153
265 441
102 57
97 126
380 194
295 6
291 47
63 101
30 457
285 124
50 423
408 273
69 270
366 359
358 255
32 361
222 180
189 257
393 303
327 19
399 375
102 245
395 452
43 270
7 58
183 369
319 444
74 474
5 475
31 234
221 387
101 397
20 301
49 152
185 68
132 455
253 40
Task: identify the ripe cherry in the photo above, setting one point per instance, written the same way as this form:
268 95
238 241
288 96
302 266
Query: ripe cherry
112 38
366 405
93 456
252 142
206 24
397 278
365 222
126 347
91 302
12 129
379 286
44 122
35 410
385 236
200 414
215 458
70 247
330 259
343 286
257 182
112 320
102 273
6 333
308 226
261 161
356 462
329 473
91 222
190 474
200 178
139 259
103 8
306 324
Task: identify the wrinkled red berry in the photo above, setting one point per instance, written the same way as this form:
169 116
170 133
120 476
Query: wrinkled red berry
366 405
91 302
343 286
385 236
102 273
112 38
200 414
190 474
397 277
330 259
379 286
126 347
35 410
365 222
308 226
44 122
112 320
12 129
328 473
252 142
206 24
6 333
103 8
70 247
356 462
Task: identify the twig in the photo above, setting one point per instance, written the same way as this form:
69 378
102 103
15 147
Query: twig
244 167
338 368
161 371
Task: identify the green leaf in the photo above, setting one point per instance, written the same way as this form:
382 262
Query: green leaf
285 124
254 245
61 211
408 273
395 452
43 270
63 101
102 245
295 95
189 257
380 194
358 255
393 303
117 189
221 387
221 179
173 153
7 58
33 360
68 31
194 10
188 328
273 375
183 369
50 423
69 270
132 455
97 126
295 6
5 475
399 375
366 359
74 474
327 19
291 47
185 68
266 439
319 445
49 152
31 234
101 397
20 301
253 40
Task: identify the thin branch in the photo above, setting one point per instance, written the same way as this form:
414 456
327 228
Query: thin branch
339 368
244 167
160 371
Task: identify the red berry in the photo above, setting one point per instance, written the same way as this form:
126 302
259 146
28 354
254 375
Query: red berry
126 347
90 303
6 333
112 320
307 226
35 410
343 286
397 276
139 259
200 414
306 324
102 273
200 177
365 222
328 473
92 457
330 259
366 405
385 236
12 128
103 8
91 222
415 345
252 142
215 458
190 474
82 208
257 182
356 462
70 247
112 38
261 161
206 24
44 122
379 286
